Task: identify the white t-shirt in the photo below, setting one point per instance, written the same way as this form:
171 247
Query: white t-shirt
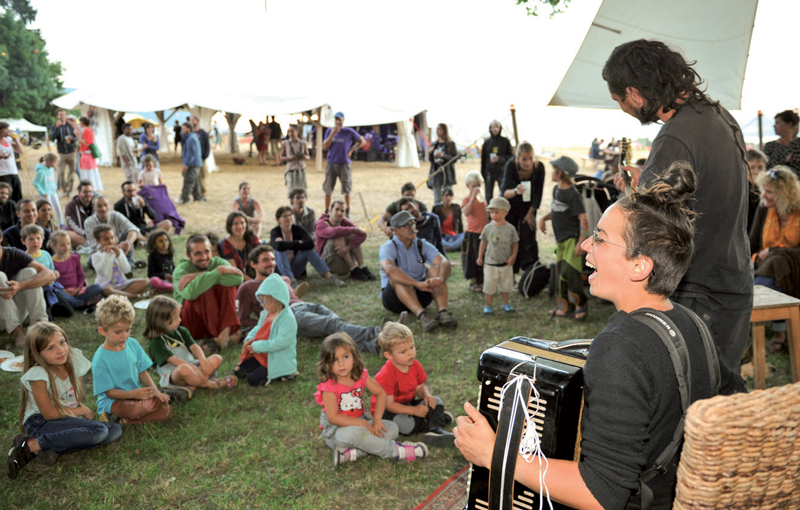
64 389
7 165
149 178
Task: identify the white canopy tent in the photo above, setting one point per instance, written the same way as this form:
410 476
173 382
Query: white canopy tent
716 33
23 126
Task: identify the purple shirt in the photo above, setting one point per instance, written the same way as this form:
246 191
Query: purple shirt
340 145
71 272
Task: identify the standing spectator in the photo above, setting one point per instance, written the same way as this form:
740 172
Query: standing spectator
88 165
149 143
217 136
8 165
77 210
474 208
524 168
8 207
340 142
249 206
176 129
45 183
192 165
294 152
135 208
125 150
494 155
786 149
62 133
261 137
440 153
205 150
275 135
654 83
303 215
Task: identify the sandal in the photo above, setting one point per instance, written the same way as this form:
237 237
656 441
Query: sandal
584 311
555 315
229 381
474 287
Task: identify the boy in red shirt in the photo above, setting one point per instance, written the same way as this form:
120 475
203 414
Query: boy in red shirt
409 403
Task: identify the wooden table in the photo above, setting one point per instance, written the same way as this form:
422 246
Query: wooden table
771 305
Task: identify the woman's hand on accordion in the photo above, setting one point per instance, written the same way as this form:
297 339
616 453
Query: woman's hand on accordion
474 437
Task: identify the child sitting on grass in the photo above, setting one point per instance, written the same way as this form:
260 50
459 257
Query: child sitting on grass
70 277
149 175
474 209
409 403
32 236
270 349
340 393
499 245
112 264
160 261
570 226
53 417
124 389
180 362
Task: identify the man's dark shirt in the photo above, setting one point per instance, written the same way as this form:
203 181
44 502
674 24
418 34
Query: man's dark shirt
8 214
136 215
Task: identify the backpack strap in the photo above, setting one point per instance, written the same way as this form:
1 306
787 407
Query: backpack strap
709 346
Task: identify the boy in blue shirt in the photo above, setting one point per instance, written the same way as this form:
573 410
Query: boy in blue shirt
124 389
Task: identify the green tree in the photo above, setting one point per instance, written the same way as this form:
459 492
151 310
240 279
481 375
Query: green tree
28 80
555 5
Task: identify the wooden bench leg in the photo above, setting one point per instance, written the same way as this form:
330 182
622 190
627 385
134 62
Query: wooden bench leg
793 334
759 357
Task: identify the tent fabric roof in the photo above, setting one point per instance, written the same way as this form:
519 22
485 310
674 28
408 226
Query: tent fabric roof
715 33
23 125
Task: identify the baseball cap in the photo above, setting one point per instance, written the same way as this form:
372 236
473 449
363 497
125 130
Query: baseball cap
400 219
339 115
499 203
566 164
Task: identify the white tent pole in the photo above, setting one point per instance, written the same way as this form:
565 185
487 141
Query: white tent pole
318 145
233 139
163 139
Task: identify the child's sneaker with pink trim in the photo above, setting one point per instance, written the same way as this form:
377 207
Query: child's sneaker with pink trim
411 451
342 455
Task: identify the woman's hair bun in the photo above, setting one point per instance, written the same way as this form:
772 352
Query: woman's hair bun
675 186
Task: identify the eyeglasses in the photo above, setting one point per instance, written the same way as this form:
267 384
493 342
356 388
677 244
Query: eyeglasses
287 215
596 239
264 300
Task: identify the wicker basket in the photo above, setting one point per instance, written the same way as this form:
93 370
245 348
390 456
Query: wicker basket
742 451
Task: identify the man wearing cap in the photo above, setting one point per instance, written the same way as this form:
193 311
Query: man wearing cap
428 226
340 142
414 273
63 133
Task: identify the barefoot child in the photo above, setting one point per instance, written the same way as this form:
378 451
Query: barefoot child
54 418
112 264
499 245
475 211
160 261
570 226
122 384
409 403
270 349
180 362
340 393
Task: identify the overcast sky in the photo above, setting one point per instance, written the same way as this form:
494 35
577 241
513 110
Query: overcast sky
466 60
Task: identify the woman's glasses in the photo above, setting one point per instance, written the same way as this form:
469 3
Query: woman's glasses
596 239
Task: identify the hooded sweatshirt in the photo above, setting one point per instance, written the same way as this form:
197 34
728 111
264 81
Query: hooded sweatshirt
500 146
76 215
281 346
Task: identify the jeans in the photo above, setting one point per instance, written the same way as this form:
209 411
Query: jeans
453 243
298 263
191 184
408 424
79 302
66 435
314 320
769 283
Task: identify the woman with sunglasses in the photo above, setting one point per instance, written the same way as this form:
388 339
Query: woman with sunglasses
640 250
775 239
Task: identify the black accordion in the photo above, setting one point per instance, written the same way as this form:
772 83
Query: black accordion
557 369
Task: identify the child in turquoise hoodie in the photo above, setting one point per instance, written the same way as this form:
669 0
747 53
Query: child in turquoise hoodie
46 184
270 349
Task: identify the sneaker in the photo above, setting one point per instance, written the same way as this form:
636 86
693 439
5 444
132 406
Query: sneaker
487 310
341 455
400 320
358 274
108 418
446 319
179 394
301 290
427 323
508 308
370 276
335 281
140 264
448 418
439 438
18 456
411 451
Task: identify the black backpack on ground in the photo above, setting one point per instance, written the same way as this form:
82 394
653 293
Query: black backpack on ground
533 280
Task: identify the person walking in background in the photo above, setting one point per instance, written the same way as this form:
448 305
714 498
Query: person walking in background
192 164
62 134
494 155
125 150
88 165
440 153
340 142
177 130
294 152
275 135
205 150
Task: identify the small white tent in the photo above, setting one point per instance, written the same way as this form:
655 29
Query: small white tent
23 126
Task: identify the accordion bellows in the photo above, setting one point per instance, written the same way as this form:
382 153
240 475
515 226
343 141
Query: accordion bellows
742 451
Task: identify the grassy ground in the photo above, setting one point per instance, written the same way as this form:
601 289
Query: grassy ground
260 447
